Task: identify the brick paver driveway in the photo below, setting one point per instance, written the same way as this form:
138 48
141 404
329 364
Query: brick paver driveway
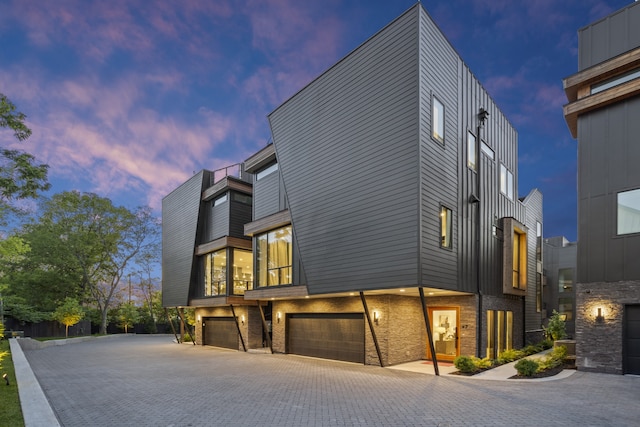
151 381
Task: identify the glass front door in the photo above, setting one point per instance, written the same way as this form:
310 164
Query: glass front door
444 331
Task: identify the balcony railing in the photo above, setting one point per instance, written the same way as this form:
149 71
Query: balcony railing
235 171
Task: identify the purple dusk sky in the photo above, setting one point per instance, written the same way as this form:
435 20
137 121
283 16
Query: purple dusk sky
127 98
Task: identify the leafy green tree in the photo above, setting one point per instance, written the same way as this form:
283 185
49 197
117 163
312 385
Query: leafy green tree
556 329
128 316
93 243
20 176
69 313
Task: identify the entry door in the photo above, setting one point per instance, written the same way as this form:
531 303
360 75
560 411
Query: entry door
444 331
631 364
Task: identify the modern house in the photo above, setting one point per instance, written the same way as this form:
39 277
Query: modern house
385 224
560 258
602 113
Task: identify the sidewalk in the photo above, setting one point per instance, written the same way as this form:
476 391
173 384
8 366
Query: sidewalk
500 373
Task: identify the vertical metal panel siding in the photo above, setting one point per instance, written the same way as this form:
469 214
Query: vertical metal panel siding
533 214
180 218
609 37
608 151
240 214
347 146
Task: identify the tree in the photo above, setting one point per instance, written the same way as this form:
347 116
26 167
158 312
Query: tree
556 328
20 176
69 313
128 316
95 242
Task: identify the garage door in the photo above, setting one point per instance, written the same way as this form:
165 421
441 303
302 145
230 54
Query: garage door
338 336
632 340
221 332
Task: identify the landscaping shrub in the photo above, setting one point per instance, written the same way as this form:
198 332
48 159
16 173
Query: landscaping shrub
555 330
465 364
485 363
554 359
509 356
526 367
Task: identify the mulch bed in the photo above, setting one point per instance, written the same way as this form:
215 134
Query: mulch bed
544 374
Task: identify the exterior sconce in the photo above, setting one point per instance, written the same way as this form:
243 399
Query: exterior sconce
278 315
242 319
376 316
600 317
198 317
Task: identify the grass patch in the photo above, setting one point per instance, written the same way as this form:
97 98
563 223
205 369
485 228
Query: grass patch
10 410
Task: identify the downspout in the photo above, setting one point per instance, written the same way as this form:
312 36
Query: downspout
482 117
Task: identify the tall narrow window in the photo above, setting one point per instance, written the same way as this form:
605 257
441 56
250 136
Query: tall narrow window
445 227
215 273
515 242
506 182
437 120
242 271
538 267
472 153
491 334
629 212
274 257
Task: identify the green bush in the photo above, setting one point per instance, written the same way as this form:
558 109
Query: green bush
555 330
485 363
554 359
526 367
509 356
465 364
546 343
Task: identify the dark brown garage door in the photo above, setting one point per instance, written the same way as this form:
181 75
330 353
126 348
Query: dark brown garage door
632 340
338 336
221 332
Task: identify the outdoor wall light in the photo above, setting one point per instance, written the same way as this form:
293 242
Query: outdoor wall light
278 315
242 319
376 316
600 316
198 317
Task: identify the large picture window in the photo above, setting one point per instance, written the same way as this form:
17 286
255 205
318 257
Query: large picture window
274 257
629 212
215 273
437 120
242 271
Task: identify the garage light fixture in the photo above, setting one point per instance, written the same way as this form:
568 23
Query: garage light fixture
242 319
600 316
278 315
376 316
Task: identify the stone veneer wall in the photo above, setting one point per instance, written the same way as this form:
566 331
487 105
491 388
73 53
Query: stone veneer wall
506 303
401 331
251 330
599 343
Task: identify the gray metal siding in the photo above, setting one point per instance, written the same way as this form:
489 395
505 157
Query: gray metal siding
533 205
608 154
180 219
347 146
609 37
240 215
219 219
266 196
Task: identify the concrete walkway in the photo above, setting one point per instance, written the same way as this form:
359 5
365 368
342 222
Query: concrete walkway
151 381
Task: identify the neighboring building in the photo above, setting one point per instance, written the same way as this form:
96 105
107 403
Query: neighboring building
603 113
560 257
388 196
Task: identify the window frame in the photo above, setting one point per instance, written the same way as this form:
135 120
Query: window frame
437 120
506 182
220 200
266 171
634 228
265 270
472 151
446 221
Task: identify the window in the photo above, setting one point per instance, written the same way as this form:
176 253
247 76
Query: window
488 151
514 280
471 151
629 212
242 271
615 81
499 332
215 273
220 200
565 280
274 257
241 198
266 171
565 307
437 120
506 182
445 227
538 267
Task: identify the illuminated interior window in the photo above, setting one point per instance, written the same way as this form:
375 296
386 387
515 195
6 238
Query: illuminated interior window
506 182
274 257
519 260
437 122
215 273
242 271
445 227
